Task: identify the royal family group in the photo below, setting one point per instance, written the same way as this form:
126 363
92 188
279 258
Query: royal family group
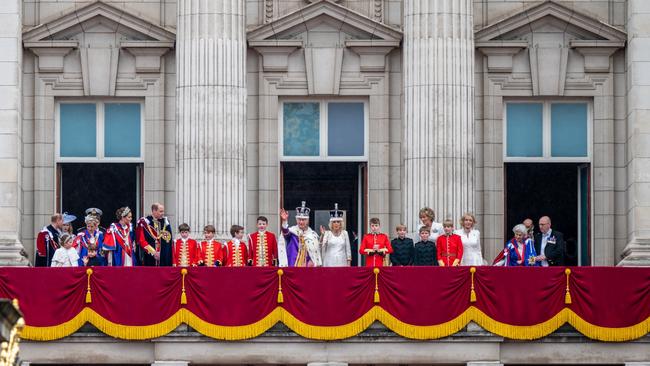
150 243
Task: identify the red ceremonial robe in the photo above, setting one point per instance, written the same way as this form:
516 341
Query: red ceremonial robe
119 242
375 242
236 254
263 249
210 253
449 248
184 253
47 242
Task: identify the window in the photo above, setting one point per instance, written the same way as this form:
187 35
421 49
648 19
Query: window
324 130
547 130
90 130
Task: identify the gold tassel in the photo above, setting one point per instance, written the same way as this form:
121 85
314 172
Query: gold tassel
280 296
183 295
89 298
567 295
376 271
472 293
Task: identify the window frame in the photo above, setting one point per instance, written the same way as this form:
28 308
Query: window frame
546 132
323 130
100 135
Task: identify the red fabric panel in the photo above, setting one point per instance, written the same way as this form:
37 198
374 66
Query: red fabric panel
520 295
611 297
424 295
328 296
606 297
231 296
135 295
46 296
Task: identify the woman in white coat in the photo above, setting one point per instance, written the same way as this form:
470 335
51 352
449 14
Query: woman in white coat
471 239
335 242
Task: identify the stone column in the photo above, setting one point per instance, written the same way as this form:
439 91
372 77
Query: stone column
637 251
438 108
11 145
211 114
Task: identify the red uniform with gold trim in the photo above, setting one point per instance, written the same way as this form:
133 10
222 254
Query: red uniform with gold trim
235 254
449 248
184 254
375 242
263 249
210 253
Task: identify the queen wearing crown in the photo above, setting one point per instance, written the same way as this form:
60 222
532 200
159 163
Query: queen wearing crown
335 242
299 244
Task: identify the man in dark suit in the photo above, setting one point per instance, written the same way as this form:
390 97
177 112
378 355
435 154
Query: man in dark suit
549 244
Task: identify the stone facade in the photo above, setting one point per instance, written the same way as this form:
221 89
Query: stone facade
395 55
375 346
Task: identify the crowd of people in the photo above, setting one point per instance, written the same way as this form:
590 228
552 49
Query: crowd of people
150 243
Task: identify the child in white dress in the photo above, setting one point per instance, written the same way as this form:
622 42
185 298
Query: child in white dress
66 255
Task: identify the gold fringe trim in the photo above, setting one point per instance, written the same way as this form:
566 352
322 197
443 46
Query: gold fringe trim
520 332
351 329
423 332
330 333
233 333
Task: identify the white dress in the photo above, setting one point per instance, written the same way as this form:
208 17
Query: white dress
336 249
65 258
471 247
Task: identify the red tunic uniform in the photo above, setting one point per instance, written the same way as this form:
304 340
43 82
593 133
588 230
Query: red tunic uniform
210 253
375 242
184 254
236 254
449 248
263 249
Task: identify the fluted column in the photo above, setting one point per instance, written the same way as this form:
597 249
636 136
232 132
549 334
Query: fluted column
211 114
438 108
637 251
11 144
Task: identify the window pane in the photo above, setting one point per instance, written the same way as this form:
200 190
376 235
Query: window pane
301 129
122 130
78 130
569 129
345 129
524 130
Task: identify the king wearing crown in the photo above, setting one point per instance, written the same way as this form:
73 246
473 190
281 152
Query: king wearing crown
299 242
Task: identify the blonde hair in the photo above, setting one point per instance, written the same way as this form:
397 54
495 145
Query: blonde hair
448 222
333 221
428 212
470 215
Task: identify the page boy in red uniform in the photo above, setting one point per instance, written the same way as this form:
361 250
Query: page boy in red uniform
375 245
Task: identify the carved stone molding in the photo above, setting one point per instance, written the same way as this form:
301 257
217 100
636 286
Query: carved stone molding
500 53
597 53
275 53
147 54
51 53
372 53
